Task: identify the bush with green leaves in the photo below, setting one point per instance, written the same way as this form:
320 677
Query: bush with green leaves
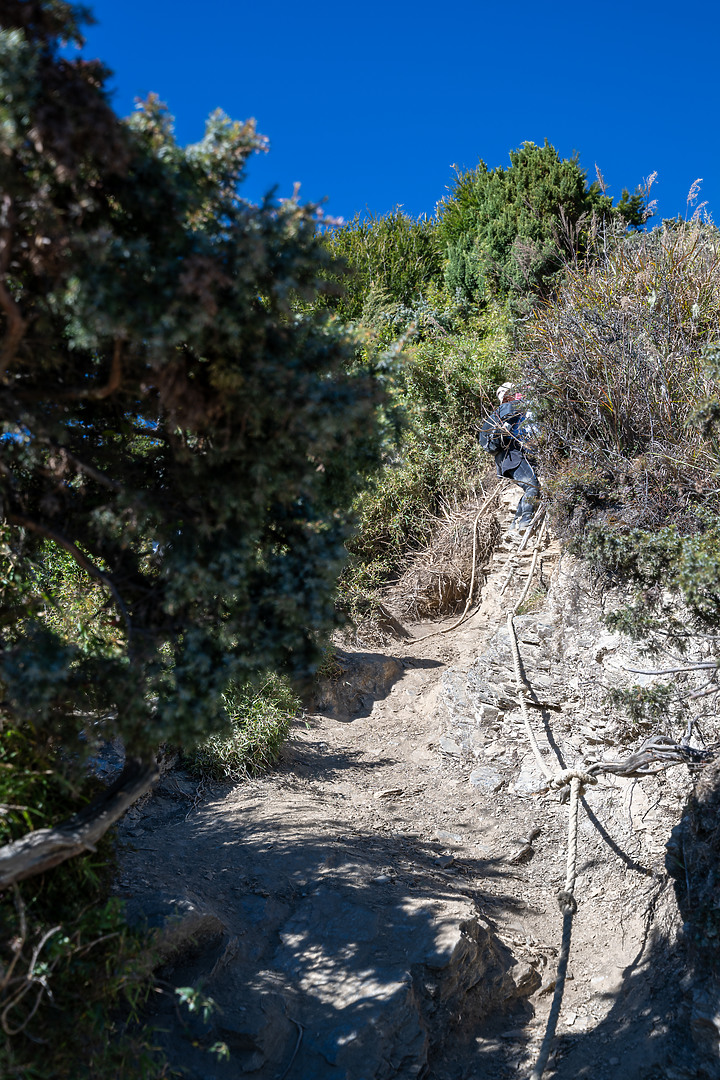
259 719
393 261
182 432
169 420
624 372
441 389
510 230
72 973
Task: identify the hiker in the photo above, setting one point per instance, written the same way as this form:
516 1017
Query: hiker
505 434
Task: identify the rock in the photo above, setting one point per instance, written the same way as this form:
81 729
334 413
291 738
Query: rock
486 714
366 677
183 929
449 746
529 780
486 779
475 742
448 837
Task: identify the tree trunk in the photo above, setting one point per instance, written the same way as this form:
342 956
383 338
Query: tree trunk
43 849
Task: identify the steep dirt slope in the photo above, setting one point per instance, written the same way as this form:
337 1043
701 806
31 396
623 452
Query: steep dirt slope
384 904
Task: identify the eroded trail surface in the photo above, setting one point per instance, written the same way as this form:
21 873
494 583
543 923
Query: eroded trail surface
384 904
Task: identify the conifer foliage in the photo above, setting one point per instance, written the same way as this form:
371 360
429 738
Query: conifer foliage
508 230
169 421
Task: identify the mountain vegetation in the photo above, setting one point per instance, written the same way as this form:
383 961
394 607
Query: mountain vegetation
180 448
225 426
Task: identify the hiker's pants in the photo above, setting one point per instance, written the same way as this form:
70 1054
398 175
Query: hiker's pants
524 476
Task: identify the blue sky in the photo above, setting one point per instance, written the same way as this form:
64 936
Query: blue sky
371 105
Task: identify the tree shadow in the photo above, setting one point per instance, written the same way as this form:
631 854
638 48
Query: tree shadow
346 953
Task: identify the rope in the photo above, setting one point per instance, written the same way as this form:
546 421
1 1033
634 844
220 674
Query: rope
577 779
523 689
447 629
554 1015
512 561
656 751
536 552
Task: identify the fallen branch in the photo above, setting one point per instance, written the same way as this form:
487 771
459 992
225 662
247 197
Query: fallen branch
705 665
44 849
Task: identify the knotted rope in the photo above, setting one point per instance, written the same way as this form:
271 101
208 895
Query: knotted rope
577 780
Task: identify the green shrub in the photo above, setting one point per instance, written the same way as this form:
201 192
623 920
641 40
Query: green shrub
510 230
259 720
442 388
393 260
645 706
72 973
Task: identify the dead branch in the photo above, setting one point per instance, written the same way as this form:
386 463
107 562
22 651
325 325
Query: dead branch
16 325
706 665
84 466
44 849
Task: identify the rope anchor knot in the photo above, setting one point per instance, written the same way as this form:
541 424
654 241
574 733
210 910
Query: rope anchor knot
562 779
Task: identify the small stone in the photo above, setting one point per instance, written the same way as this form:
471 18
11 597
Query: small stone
449 746
444 861
382 879
453 838
486 714
486 779
494 750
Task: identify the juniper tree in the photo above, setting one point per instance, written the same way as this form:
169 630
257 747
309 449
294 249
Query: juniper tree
507 230
170 423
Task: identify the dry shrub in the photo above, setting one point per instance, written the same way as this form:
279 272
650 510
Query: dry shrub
436 580
617 372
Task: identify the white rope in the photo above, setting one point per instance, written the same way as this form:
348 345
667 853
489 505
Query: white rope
512 561
523 689
577 779
531 574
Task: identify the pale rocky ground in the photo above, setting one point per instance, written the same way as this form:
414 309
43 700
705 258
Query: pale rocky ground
384 904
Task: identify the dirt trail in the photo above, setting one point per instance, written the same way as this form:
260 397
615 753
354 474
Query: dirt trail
383 905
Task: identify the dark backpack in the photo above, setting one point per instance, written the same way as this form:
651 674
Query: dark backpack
492 436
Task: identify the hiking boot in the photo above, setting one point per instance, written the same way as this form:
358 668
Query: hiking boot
523 523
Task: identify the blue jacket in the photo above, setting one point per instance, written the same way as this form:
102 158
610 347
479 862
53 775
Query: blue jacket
503 435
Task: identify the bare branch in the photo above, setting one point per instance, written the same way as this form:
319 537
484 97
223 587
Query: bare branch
708 665
84 466
97 393
703 693
44 849
16 325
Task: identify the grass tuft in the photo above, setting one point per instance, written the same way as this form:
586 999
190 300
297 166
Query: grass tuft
259 721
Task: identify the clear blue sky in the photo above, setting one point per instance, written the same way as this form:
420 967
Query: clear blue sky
372 104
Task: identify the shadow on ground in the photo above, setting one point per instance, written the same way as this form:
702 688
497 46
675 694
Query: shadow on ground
361 679
329 951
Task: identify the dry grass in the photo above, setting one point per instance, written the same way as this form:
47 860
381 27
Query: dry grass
616 367
436 580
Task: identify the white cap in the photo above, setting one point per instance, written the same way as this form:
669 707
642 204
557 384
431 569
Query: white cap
503 390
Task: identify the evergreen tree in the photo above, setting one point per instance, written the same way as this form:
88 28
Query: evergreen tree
393 260
506 230
169 422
